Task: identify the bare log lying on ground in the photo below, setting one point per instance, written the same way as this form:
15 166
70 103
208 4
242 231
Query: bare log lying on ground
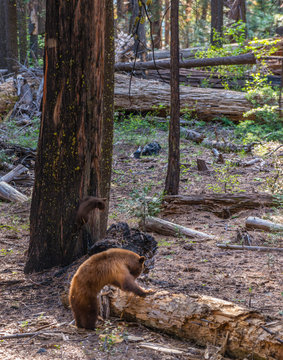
165 227
146 95
14 173
257 223
205 320
7 192
165 64
222 205
221 146
246 247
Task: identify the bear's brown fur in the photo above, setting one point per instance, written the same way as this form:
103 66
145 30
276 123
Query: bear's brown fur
88 204
118 267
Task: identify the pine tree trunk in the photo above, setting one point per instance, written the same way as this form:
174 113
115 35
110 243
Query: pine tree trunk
33 29
173 172
11 34
156 24
167 22
22 22
3 49
68 164
216 21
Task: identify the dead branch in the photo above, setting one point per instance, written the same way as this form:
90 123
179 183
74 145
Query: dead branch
246 247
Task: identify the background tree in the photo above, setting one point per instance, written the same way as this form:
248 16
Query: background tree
22 30
3 48
156 11
173 171
69 158
216 21
137 28
167 23
10 7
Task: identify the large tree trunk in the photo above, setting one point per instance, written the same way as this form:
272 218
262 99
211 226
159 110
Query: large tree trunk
237 331
147 95
68 165
173 170
11 34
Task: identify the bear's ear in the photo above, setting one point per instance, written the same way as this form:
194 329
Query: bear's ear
142 259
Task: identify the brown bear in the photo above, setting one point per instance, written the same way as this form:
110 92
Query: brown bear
88 204
118 267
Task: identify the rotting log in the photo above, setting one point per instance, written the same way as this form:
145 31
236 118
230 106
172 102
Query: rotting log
253 222
192 63
14 173
222 205
147 95
8 193
164 227
204 320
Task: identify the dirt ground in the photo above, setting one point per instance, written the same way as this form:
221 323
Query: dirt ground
36 303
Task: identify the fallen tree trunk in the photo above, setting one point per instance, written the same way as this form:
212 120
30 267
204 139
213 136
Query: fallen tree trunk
222 205
165 227
204 320
7 192
146 95
248 247
193 63
257 223
14 173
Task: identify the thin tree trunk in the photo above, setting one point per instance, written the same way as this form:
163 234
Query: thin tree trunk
137 28
204 10
22 22
156 24
3 48
108 103
11 34
68 164
167 22
216 21
33 29
173 172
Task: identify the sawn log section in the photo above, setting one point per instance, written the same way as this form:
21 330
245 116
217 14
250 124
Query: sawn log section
148 95
205 320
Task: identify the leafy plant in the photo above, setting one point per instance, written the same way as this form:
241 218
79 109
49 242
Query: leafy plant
225 181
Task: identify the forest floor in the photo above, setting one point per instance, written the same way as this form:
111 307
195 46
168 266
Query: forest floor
35 303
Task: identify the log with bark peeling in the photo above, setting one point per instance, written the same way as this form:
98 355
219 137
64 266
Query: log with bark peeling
251 248
165 227
253 222
204 320
147 95
222 205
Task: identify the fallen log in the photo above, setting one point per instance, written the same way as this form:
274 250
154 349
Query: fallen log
14 173
247 247
7 192
165 227
222 146
253 222
204 320
147 95
193 63
222 205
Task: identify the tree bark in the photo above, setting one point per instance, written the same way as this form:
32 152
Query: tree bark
156 24
11 34
33 29
206 103
167 23
165 64
68 164
204 320
3 48
173 171
22 25
222 205
216 22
